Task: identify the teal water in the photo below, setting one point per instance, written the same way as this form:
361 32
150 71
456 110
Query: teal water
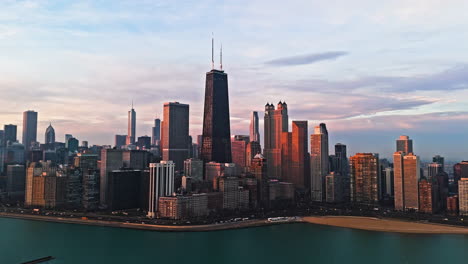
22 240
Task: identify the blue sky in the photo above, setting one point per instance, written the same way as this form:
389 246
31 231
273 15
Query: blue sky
371 70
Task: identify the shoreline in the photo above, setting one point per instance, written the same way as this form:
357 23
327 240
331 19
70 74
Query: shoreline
385 225
352 222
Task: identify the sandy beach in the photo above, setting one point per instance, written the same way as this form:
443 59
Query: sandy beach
385 225
362 223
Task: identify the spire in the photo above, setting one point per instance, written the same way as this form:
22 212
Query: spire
132 103
212 51
221 57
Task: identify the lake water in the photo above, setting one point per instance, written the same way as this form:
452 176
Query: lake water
22 240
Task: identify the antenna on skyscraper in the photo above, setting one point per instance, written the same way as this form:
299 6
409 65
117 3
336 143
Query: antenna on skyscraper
212 51
132 103
221 57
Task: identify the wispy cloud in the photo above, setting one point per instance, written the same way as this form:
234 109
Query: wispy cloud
306 59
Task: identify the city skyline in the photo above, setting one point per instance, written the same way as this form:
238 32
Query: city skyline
367 95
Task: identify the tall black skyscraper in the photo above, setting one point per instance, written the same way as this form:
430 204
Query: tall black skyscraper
156 136
216 140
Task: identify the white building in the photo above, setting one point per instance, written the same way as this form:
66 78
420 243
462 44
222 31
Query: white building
161 183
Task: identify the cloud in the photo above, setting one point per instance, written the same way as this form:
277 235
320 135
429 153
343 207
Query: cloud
306 59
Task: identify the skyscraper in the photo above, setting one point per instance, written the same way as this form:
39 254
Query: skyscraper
404 144
398 180
9 133
299 155
175 133
254 134
275 123
49 135
433 169
216 145
411 176
161 183
156 136
29 128
439 159
364 176
131 126
319 162
463 196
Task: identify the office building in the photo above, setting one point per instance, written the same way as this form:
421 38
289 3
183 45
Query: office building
319 162
259 169
131 128
120 140
156 132
29 128
334 191
10 133
49 135
253 148
15 184
175 133
433 169
216 139
440 160
275 123
404 144
254 133
161 184
123 189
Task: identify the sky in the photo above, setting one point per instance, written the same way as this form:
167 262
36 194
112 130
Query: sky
370 70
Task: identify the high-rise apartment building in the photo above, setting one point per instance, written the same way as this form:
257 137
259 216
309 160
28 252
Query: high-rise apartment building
364 178
253 148
319 162
29 128
433 169
254 133
175 133
406 179
239 150
259 169
131 128
463 196
429 201
404 144
161 183
275 123
44 188
194 168
216 139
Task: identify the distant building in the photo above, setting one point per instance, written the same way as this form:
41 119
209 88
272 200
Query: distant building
156 132
404 144
254 133
319 162
9 134
161 184
452 205
131 134
300 175
29 128
73 145
49 135
440 160
406 178
175 133
234 197
144 142
364 176
433 169
120 140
